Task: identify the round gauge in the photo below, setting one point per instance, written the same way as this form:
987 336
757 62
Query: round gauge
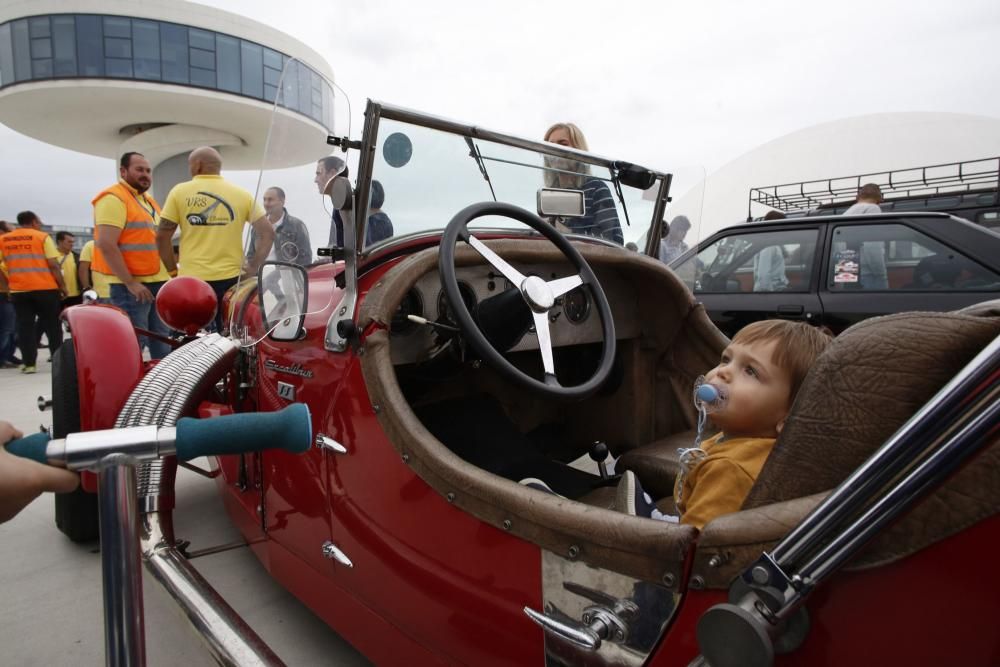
576 305
411 304
468 297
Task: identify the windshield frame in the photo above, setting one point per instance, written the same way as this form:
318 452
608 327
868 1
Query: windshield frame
375 111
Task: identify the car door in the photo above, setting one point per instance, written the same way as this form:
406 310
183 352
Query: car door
877 269
744 276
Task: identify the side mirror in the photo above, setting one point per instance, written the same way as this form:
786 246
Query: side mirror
284 299
559 203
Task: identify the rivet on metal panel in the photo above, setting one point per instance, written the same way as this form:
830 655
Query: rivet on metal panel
506 524
574 551
406 458
376 408
697 582
760 575
668 580
450 497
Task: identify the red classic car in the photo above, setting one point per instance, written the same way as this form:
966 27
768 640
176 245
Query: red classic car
447 361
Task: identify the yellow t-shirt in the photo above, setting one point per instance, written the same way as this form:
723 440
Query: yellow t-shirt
100 280
67 263
111 211
51 252
211 247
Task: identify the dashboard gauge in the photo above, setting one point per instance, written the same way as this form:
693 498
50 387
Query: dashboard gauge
411 304
576 305
468 297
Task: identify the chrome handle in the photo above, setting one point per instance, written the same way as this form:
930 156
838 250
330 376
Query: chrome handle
331 551
575 633
326 442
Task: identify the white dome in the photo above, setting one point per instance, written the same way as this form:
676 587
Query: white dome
858 145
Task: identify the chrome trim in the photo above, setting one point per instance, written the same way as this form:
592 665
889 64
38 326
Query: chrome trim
579 635
626 616
332 552
326 442
121 576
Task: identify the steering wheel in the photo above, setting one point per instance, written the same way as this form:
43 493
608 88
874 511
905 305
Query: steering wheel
538 294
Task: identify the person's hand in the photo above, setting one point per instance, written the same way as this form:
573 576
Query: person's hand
22 480
140 292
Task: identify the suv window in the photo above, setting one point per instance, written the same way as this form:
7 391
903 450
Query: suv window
777 261
896 257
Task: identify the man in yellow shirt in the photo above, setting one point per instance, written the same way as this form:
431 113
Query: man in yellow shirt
212 213
125 218
67 263
35 283
90 279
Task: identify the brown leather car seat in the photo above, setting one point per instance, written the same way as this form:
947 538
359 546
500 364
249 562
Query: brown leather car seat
871 379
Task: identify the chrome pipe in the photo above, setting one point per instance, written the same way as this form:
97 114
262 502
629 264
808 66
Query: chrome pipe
887 462
124 638
228 638
179 379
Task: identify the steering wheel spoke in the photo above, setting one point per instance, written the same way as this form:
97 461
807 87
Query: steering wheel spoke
544 342
496 261
561 286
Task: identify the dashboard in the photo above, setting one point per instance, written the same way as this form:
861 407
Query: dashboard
572 321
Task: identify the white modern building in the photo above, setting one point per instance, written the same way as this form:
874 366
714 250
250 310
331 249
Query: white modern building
108 76
860 145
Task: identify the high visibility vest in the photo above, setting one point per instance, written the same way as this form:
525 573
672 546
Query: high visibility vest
24 254
138 238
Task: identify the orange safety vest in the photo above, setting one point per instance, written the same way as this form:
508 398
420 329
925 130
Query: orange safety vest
27 268
138 239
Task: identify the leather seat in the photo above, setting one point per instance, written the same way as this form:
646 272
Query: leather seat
656 464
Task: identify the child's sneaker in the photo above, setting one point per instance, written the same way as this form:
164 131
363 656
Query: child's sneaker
537 485
631 499
28 370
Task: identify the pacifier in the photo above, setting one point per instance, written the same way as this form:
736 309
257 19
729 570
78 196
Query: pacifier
707 396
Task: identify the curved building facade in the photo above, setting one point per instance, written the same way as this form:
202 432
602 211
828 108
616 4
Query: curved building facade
107 76
89 46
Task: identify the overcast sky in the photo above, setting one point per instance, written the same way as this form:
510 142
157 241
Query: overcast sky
659 83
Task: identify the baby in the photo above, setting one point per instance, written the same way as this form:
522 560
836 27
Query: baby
757 380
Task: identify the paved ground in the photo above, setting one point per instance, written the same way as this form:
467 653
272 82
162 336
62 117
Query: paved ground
50 607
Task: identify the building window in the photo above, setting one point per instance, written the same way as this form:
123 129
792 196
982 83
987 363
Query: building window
174 51
227 63
63 46
90 46
252 66
146 49
6 56
22 49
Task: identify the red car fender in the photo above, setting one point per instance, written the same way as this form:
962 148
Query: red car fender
108 366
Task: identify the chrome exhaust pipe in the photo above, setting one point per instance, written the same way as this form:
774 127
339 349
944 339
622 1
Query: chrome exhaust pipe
164 394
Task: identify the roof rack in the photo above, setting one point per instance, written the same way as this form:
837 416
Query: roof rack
953 177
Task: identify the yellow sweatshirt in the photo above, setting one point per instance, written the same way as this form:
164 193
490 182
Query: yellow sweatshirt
721 481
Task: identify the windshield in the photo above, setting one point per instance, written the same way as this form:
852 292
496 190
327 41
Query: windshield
423 176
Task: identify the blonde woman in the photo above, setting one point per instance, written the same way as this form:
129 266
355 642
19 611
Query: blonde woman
601 217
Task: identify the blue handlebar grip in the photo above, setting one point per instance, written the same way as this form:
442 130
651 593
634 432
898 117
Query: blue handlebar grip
289 429
30 447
